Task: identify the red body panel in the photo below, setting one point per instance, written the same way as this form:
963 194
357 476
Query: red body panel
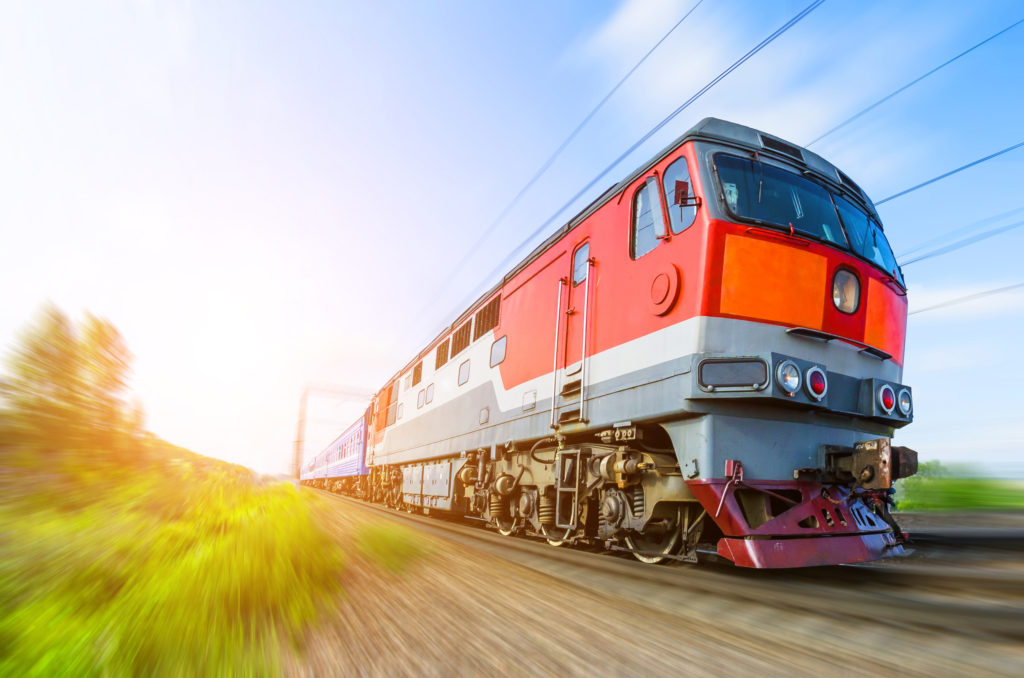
773 553
621 289
819 530
723 269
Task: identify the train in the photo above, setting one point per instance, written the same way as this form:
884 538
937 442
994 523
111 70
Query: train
708 358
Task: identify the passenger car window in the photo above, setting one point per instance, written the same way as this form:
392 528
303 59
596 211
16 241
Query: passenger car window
429 395
579 264
680 216
648 220
463 373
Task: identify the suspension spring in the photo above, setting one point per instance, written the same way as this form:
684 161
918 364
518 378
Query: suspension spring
546 509
637 501
497 506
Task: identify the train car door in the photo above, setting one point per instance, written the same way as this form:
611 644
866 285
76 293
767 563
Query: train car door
579 308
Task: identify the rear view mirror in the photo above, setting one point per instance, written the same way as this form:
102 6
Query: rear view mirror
682 190
682 195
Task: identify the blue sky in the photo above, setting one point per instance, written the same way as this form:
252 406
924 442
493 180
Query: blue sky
260 195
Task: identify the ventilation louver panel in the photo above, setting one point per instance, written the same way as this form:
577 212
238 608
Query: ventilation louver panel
780 146
487 318
460 340
442 354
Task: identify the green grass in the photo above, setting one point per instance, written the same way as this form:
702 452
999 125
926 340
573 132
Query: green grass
936 488
189 568
389 546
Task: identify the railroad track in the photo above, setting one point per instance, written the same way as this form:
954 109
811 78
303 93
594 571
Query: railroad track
909 595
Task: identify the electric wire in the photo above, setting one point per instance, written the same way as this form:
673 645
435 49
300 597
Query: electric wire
487 232
963 243
654 130
969 297
958 231
910 84
950 173
558 151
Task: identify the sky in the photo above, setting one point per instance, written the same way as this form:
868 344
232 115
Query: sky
261 196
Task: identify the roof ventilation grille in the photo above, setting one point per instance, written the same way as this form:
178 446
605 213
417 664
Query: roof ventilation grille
781 147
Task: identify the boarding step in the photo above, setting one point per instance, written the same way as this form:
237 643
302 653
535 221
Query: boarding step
572 387
569 416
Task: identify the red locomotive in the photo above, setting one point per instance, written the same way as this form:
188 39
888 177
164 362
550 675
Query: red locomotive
709 355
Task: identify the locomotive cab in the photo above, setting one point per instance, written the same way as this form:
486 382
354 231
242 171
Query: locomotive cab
798 373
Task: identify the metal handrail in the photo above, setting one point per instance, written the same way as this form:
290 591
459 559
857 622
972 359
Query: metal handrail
554 367
583 349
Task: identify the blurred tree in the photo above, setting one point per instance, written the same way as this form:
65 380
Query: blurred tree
65 393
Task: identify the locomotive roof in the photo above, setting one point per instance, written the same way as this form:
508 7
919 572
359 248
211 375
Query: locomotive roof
709 129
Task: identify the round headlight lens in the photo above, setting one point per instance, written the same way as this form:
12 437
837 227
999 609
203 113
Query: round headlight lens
845 291
904 402
788 376
887 398
817 383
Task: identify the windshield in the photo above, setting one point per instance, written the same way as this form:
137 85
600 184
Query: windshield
771 195
867 239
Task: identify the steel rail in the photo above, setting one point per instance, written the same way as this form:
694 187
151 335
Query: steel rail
900 595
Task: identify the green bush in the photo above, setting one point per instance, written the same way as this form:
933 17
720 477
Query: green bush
192 569
121 554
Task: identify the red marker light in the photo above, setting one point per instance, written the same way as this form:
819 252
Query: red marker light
887 398
817 383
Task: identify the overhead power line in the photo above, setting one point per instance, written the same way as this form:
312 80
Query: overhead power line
969 297
671 116
964 243
558 151
959 231
950 173
913 82
487 232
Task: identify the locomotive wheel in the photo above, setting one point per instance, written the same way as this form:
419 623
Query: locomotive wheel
506 528
553 538
654 546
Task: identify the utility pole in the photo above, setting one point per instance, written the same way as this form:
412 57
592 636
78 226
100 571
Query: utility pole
325 389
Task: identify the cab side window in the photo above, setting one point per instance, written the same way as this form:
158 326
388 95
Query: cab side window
677 189
580 264
648 221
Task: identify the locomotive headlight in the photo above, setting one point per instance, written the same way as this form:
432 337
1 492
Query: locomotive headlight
886 398
845 291
817 383
904 402
788 376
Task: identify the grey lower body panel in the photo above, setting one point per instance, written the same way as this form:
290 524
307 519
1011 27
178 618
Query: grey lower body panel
771 437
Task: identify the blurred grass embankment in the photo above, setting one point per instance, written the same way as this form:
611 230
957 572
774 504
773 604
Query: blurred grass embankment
938 488
121 554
